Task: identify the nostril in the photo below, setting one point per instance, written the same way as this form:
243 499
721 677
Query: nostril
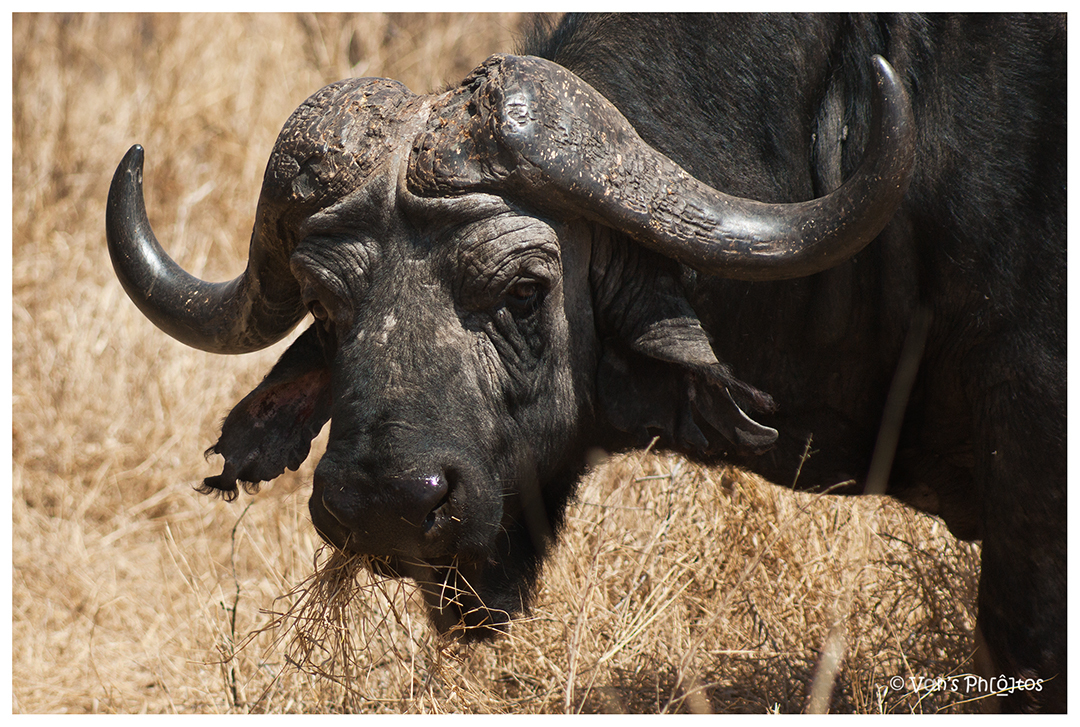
332 505
336 505
421 498
429 521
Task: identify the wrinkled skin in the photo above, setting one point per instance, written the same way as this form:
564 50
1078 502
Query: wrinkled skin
483 318
464 327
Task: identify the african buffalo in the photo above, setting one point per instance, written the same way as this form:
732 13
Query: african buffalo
720 231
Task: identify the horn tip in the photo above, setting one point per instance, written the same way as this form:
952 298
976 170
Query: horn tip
134 156
884 69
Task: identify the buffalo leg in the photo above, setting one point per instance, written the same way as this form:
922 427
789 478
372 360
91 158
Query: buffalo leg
1023 583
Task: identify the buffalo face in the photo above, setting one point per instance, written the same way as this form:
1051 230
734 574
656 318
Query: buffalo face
495 275
457 367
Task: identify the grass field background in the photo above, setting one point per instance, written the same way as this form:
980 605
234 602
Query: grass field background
674 588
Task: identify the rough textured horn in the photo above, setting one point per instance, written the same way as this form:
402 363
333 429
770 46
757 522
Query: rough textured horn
528 127
246 314
323 153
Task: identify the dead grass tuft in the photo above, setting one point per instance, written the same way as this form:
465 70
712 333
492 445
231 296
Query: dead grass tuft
674 588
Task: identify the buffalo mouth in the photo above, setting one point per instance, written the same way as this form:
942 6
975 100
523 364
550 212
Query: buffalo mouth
475 553
455 607
456 589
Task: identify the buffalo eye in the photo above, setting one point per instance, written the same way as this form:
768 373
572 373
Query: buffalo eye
524 297
318 310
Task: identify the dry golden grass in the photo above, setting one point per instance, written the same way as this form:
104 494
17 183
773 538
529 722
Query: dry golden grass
674 589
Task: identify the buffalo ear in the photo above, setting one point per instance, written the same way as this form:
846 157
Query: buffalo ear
272 427
658 370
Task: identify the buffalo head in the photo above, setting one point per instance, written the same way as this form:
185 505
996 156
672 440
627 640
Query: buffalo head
495 279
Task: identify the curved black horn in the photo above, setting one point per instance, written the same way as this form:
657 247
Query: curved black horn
246 314
546 135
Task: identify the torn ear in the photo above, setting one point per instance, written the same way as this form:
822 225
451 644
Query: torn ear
272 427
659 370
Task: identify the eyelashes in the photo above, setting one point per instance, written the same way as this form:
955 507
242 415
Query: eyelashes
524 297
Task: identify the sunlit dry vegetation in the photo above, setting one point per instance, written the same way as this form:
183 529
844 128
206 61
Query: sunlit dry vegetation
674 588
